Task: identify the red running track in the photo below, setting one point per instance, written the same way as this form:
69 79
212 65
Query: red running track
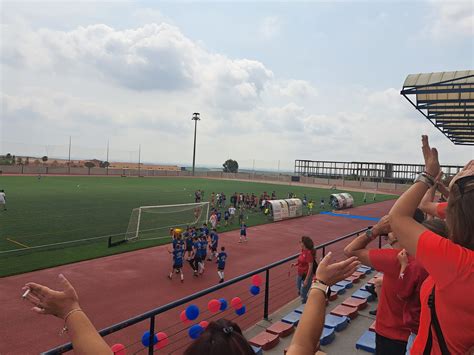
114 288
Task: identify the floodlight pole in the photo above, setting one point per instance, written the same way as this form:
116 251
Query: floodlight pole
195 119
69 158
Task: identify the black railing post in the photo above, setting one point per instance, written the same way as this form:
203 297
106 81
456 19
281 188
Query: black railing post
152 335
267 293
380 242
324 252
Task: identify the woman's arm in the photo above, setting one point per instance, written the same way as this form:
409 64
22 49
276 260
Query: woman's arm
403 225
358 247
311 324
65 305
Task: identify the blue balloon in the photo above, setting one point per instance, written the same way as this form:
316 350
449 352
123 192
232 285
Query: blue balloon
195 331
192 312
223 304
240 311
254 290
146 339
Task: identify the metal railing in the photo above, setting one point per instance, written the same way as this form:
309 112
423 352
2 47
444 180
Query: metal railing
159 310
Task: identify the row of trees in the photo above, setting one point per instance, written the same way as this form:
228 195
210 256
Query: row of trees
10 159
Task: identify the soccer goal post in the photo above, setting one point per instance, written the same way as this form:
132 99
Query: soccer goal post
153 222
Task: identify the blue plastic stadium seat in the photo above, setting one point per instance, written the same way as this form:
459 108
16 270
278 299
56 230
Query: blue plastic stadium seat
336 322
363 294
257 350
328 336
367 342
365 270
366 267
345 284
292 318
339 289
300 309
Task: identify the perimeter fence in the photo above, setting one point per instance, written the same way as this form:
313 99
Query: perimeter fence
277 289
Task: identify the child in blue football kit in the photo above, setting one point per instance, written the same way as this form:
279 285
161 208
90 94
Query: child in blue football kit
178 254
243 232
221 259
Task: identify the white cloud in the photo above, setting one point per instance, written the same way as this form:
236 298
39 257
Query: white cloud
152 57
142 84
270 27
451 18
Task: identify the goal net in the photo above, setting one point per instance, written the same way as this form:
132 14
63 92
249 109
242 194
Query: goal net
152 222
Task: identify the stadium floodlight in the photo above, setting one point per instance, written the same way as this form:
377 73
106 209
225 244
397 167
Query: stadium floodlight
195 118
154 222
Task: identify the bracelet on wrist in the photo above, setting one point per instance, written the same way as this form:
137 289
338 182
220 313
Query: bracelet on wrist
65 329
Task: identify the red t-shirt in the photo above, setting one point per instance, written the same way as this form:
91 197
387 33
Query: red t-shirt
390 308
451 268
408 290
304 260
441 210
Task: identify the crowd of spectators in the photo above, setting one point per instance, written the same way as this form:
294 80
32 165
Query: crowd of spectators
425 299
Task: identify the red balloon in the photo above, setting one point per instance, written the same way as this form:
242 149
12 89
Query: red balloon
204 323
236 302
118 349
162 340
214 305
257 280
183 317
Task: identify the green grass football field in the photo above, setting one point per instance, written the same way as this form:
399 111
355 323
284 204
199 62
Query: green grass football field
62 209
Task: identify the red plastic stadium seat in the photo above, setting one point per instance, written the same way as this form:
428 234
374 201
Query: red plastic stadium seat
360 274
281 329
265 340
372 327
359 303
353 279
347 311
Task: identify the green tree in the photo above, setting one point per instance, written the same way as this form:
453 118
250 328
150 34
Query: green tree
89 165
230 166
104 164
44 159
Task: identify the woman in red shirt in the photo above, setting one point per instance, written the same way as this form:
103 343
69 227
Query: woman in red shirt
305 267
449 262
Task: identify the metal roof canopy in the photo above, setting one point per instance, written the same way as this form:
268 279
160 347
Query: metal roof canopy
446 99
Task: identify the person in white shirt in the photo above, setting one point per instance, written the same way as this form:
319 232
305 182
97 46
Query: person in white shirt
3 200
232 213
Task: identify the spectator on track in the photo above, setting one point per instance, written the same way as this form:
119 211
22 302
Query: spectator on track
311 324
220 337
306 264
65 305
449 262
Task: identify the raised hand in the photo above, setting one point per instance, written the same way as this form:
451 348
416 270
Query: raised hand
333 273
48 301
431 157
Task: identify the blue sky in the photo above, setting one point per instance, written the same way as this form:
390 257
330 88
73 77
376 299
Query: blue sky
315 80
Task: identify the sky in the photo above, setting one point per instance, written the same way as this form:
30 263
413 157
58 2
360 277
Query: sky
272 81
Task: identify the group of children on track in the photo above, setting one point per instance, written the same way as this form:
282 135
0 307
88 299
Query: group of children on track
196 246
